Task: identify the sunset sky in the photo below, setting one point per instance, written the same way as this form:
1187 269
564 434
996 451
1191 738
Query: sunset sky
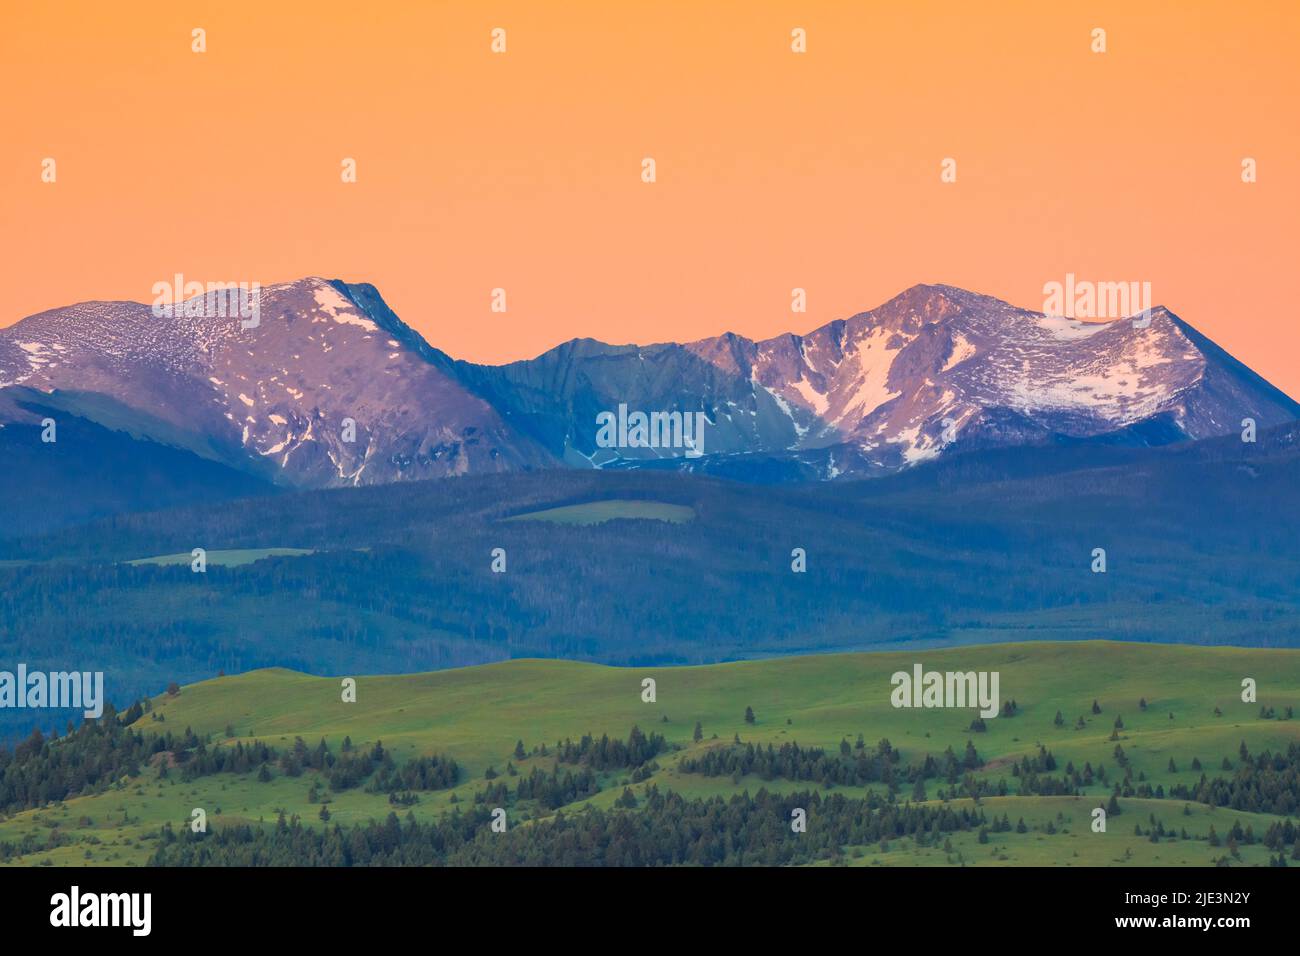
776 170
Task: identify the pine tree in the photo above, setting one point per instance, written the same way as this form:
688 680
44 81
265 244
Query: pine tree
749 715
699 732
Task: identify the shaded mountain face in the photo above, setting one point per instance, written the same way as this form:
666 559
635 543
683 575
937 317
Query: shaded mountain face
92 472
932 371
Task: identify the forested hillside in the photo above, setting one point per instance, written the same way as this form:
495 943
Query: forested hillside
1199 543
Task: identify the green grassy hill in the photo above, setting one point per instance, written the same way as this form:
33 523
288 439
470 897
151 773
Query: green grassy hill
476 715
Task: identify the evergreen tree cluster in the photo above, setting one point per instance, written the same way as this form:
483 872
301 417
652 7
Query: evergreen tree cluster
1267 783
667 830
421 773
97 754
792 762
606 754
556 789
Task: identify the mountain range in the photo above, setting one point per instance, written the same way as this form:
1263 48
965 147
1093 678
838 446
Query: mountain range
331 388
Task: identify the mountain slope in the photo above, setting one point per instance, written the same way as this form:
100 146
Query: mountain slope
272 400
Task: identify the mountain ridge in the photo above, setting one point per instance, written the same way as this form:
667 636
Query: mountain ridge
934 369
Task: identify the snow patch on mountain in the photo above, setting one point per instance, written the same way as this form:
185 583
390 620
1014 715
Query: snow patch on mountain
962 349
1067 329
814 399
329 301
875 355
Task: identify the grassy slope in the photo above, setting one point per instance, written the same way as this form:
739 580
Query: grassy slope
476 714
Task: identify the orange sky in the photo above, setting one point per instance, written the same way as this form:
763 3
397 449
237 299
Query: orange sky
775 170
